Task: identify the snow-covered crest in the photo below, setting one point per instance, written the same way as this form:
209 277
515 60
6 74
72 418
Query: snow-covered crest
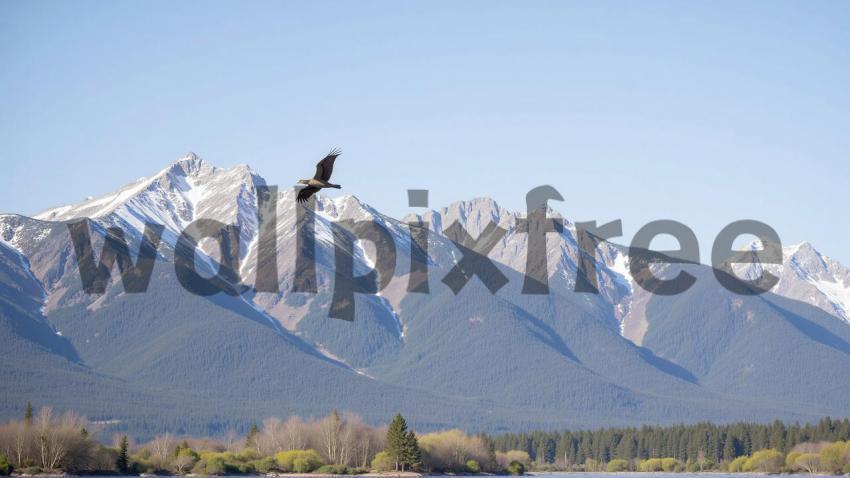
190 188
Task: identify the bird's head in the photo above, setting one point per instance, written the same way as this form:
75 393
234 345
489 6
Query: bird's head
303 181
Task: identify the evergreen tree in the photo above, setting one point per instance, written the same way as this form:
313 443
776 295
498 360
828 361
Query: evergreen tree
184 445
123 461
730 451
776 439
28 414
412 453
687 443
251 439
397 441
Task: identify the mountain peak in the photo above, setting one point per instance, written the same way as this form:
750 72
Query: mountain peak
803 247
189 165
482 202
473 214
348 206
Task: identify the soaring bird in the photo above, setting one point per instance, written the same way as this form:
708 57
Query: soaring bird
324 168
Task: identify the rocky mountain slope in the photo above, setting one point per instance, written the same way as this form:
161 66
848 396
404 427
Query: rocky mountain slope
476 359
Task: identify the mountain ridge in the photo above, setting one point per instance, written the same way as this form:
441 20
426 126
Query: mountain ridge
491 361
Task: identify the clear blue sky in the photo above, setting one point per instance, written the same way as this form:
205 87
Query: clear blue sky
700 112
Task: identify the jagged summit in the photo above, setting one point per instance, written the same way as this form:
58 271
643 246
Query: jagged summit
190 164
190 188
808 276
190 157
564 358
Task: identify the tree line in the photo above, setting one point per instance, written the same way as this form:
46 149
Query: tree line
337 444
345 444
686 443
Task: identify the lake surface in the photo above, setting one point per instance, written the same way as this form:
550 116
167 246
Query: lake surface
559 475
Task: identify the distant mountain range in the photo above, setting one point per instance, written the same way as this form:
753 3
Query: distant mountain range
170 360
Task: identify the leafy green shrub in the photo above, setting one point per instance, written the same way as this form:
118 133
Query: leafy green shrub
216 466
141 462
791 459
265 464
220 463
846 469
303 465
766 461
5 467
617 465
299 461
516 468
671 465
737 465
808 462
382 462
472 466
650 465
248 454
835 455
331 470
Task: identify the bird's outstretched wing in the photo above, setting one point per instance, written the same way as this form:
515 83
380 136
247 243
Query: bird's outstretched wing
305 193
325 167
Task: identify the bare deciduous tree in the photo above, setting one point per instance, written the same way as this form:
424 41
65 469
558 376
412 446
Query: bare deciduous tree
16 442
182 463
296 434
160 448
271 437
451 449
230 440
332 429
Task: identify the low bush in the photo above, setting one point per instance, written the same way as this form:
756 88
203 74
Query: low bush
516 468
617 465
331 470
671 465
5 467
299 461
765 461
650 465
737 465
265 464
383 462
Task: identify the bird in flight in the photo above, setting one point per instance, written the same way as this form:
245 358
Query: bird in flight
324 168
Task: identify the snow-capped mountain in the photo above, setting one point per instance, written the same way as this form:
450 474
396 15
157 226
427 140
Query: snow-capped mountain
186 190
190 188
808 276
504 359
562 250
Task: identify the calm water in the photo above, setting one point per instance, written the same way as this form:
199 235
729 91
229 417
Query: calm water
576 475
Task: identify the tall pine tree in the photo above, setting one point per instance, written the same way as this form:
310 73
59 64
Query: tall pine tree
28 414
123 461
251 439
397 441
412 453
